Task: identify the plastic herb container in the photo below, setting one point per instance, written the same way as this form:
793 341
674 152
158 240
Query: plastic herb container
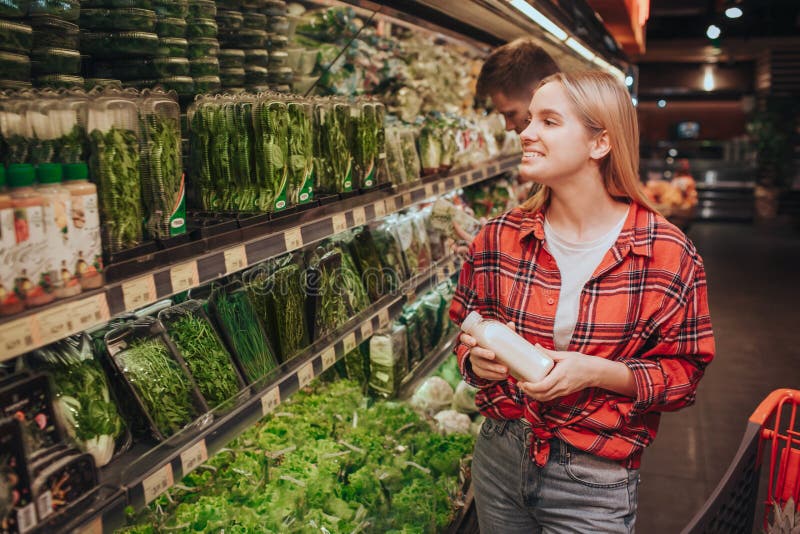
59 81
256 75
246 38
231 58
139 84
122 44
166 67
171 27
15 67
274 8
55 61
229 4
278 42
52 32
257 21
171 8
90 83
183 85
229 21
15 85
136 4
280 76
172 47
13 8
204 66
207 84
201 28
202 9
278 25
118 19
66 9
14 37
126 69
257 57
278 58
203 47
232 77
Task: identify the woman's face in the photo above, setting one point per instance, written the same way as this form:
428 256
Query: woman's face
555 144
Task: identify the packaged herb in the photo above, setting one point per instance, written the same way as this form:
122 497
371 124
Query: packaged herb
29 399
232 77
206 66
278 58
55 61
156 376
83 398
231 58
229 4
242 331
60 485
118 19
229 21
256 57
172 47
388 362
368 260
202 47
274 8
301 153
394 156
255 75
278 25
171 8
430 149
122 44
357 365
14 8
171 27
65 9
59 81
205 354
134 4
414 341
409 242
327 305
183 85
411 162
244 38
271 122
164 67
332 159
277 42
163 188
15 37
207 84
364 146
91 83
199 27
52 32
18 506
15 67
391 253
256 21
280 76
202 9
307 61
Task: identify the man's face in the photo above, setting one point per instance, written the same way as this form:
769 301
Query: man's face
514 110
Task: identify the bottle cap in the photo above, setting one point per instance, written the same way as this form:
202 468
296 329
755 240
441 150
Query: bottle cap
48 173
21 175
471 321
76 171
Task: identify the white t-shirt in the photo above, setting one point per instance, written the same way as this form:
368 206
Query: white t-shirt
576 262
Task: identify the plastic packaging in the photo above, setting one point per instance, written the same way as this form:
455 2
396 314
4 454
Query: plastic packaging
122 44
256 57
257 21
135 4
277 42
202 9
14 8
280 76
278 58
207 84
66 9
524 361
183 85
445 213
307 61
229 21
231 58
201 47
206 66
53 32
126 69
15 67
55 61
278 25
87 252
172 47
15 37
164 67
100 19
9 302
171 8
255 75
388 362
59 81
171 27
233 77
197 27
274 8
244 38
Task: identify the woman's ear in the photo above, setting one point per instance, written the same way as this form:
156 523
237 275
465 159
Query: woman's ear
601 146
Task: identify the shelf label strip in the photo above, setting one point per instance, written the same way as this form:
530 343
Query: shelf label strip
305 375
294 238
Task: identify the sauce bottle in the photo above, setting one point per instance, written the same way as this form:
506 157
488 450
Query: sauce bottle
86 247
524 361
10 303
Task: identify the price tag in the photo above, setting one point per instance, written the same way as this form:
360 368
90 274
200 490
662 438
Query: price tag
366 330
429 190
44 504
305 374
16 337
406 199
441 274
193 456
339 223
184 276
157 483
94 527
359 216
235 259
270 400
26 518
411 296
328 358
89 312
139 292
349 342
55 324
383 318
294 238
380 209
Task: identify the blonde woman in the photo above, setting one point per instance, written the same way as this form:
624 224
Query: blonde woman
610 290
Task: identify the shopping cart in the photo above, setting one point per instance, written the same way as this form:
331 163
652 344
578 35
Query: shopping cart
772 432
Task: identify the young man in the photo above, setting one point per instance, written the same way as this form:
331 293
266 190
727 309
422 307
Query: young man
509 76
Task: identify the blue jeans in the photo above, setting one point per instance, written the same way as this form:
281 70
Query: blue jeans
574 492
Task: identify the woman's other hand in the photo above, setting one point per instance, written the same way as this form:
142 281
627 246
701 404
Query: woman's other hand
572 372
484 362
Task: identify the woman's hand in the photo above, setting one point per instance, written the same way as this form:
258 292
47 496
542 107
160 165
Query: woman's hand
484 362
572 372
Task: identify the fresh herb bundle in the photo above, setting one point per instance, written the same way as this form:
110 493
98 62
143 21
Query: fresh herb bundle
365 144
323 165
236 315
238 119
271 149
391 254
370 267
160 383
162 175
204 354
301 149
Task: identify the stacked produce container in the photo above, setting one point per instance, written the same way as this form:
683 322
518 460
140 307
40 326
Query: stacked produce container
280 73
55 57
172 64
203 46
16 40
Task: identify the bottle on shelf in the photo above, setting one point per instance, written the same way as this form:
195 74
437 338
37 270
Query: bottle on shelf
85 245
10 303
524 361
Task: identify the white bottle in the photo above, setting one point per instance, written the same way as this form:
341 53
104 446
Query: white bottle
525 362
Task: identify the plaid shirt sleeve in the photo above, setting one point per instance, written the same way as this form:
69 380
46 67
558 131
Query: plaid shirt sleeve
668 372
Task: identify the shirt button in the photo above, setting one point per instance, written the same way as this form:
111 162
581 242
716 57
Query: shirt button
550 301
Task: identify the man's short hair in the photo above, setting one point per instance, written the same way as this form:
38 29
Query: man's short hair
515 69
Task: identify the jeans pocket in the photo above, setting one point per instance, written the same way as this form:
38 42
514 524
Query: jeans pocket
595 472
491 428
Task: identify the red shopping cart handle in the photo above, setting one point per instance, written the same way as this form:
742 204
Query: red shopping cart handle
768 405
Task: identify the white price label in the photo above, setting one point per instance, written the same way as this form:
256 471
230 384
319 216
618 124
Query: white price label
339 223
184 276
93 527
157 483
26 518
406 199
349 342
439 188
305 375
380 209
429 191
55 324
44 504
270 400
139 292
328 358
193 456
235 259
17 337
89 312
366 330
359 216
383 318
294 238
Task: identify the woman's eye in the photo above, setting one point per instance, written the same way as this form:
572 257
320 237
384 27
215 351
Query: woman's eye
549 122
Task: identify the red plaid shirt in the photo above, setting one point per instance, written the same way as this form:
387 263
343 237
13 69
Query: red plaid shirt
645 305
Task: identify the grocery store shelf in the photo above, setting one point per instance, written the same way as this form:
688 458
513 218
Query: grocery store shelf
145 472
146 281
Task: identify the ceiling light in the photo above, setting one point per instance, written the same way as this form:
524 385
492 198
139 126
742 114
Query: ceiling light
708 78
713 32
580 49
539 18
733 12
629 80
662 103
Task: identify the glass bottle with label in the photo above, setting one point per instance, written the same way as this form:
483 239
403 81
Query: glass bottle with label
10 303
85 245
58 230
31 280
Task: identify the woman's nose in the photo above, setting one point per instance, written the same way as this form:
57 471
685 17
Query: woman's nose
529 133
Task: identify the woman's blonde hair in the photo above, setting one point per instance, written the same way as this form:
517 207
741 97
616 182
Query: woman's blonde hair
603 103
